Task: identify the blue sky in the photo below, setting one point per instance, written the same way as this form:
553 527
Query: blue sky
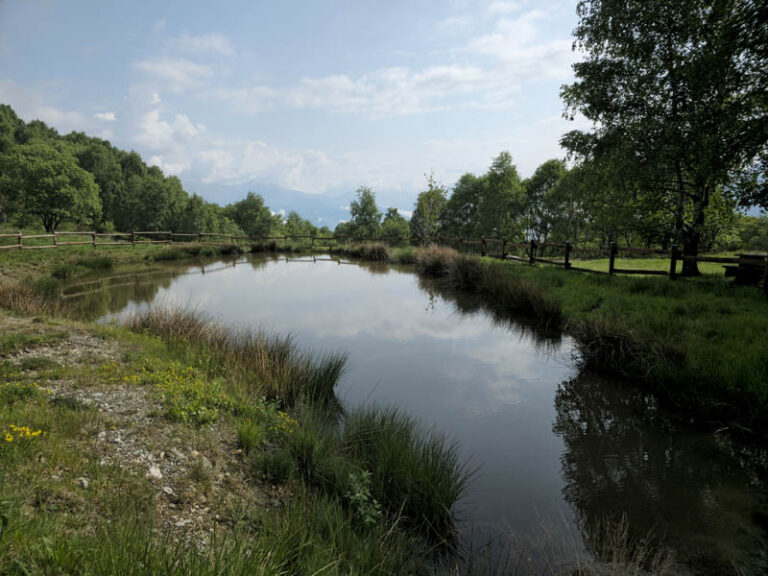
320 97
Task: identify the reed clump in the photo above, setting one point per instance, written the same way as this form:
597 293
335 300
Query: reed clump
417 474
257 364
435 261
32 298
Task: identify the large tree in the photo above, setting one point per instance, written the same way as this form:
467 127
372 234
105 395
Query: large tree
49 183
541 209
461 211
251 214
503 202
682 87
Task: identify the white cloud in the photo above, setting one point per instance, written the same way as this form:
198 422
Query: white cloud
31 105
178 74
157 134
405 213
204 44
501 62
497 8
106 116
159 25
154 99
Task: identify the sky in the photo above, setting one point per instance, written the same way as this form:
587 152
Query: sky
316 96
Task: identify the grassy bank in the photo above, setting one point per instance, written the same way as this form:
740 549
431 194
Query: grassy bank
172 446
75 261
701 345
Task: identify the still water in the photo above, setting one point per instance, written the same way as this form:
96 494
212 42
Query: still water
557 451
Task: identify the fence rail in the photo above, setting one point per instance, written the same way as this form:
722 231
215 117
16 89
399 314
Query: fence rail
747 268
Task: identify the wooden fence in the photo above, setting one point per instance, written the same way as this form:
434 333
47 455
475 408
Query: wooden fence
747 268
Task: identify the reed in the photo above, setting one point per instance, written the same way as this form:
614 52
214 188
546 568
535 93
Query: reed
416 474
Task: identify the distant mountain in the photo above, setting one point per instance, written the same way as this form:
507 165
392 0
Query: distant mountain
320 209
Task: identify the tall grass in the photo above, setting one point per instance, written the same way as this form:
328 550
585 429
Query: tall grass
435 261
416 473
257 364
31 298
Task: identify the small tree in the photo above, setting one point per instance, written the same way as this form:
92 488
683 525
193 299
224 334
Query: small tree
426 219
394 225
366 218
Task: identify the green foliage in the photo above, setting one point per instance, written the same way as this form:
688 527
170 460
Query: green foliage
428 212
187 394
394 226
413 473
646 82
46 181
366 508
503 202
462 210
365 214
275 466
251 214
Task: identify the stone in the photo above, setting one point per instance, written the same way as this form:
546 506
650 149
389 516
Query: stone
83 482
154 473
168 490
178 453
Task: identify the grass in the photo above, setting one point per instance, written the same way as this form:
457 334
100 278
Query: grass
336 516
699 344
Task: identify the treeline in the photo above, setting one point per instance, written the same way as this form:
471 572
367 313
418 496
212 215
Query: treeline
583 205
75 180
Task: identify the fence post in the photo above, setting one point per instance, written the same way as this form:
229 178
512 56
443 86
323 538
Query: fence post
93 238
567 255
133 238
20 241
765 276
170 236
503 248
673 262
482 246
54 239
532 254
612 261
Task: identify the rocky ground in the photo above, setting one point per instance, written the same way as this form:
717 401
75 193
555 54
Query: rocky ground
199 475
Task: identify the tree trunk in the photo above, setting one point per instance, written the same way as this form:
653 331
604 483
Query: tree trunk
693 237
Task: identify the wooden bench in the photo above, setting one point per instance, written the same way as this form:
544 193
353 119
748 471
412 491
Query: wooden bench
751 269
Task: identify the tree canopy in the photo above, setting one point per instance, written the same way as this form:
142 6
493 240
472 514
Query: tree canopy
679 89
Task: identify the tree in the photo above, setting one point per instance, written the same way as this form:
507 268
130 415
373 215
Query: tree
503 204
461 213
49 184
365 214
251 214
682 85
541 204
426 218
394 225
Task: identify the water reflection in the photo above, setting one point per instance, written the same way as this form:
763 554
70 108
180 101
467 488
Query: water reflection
488 381
624 457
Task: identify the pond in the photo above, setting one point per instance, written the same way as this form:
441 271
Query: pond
557 451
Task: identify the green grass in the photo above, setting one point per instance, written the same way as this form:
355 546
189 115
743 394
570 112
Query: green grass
661 264
335 516
700 344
